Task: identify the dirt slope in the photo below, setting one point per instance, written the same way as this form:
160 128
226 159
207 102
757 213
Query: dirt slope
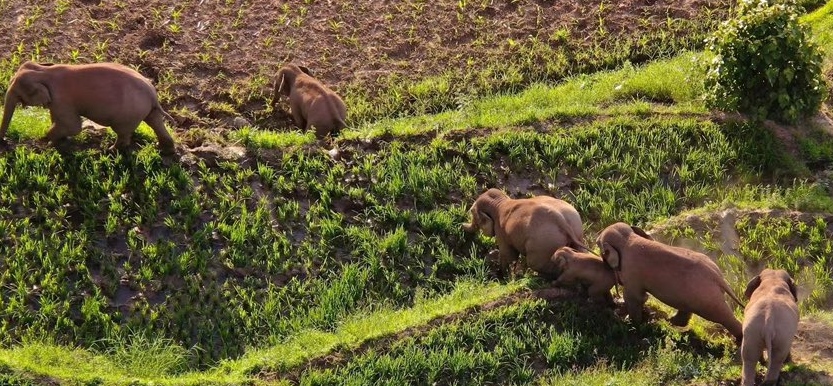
217 58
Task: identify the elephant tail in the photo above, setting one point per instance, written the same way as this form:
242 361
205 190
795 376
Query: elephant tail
166 115
582 247
732 295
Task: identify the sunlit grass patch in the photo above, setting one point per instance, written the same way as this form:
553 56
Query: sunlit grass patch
270 139
29 123
672 81
161 361
353 331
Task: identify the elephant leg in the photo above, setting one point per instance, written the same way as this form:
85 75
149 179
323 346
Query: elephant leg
64 124
780 353
599 294
719 312
681 318
634 302
156 121
750 354
299 119
124 136
506 256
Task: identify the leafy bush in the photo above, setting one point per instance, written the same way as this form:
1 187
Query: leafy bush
765 65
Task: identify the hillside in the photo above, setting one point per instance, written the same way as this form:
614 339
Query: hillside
258 257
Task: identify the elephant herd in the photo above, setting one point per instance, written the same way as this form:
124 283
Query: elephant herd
548 232
117 96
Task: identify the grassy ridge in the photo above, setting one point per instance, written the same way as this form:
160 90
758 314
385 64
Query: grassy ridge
159 362
167 251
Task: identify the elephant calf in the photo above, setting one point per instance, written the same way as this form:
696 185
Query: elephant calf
770 322
108 94
311 103
586 269
686 280
534 227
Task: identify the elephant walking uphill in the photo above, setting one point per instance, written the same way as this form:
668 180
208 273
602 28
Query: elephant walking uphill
108 94
534 227
770 322
311 103
686 280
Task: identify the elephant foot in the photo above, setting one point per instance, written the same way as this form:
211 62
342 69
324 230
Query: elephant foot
167 150
680 319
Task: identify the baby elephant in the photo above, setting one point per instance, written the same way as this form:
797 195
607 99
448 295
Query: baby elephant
769 324
311 103
585 269
534 227
109 94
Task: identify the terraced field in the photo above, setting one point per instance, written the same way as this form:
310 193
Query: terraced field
257 256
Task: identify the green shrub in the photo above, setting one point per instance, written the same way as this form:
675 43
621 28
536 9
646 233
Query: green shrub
765 65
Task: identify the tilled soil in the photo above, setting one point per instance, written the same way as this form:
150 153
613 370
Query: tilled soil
218 58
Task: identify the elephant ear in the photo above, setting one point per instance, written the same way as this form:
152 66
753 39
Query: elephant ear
306 70
642 233
560 262
611 256
752 286
793 289
33 92
486 223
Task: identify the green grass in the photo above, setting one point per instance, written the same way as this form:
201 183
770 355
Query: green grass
215 271
146 360
516 345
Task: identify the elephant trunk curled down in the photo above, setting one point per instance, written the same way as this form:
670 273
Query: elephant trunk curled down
533 227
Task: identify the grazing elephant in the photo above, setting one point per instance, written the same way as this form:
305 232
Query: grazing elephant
311 103
534 227
108 94
686 280
586 269
770 322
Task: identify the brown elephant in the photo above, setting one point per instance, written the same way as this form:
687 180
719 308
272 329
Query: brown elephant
311 103
586 269
681 278
770 322
534 227
108 94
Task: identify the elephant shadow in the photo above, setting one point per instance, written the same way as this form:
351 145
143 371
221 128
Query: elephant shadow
608 337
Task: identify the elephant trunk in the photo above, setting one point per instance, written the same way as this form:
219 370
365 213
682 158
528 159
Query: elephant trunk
276 94
8 110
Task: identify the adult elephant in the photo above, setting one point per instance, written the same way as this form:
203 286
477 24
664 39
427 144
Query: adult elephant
681 278
533 227
109 94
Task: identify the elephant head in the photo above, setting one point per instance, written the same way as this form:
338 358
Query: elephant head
612 239
561 258
771 274
29 87
286 80
484 212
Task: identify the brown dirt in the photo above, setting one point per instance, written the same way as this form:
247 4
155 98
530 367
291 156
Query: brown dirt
200 52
